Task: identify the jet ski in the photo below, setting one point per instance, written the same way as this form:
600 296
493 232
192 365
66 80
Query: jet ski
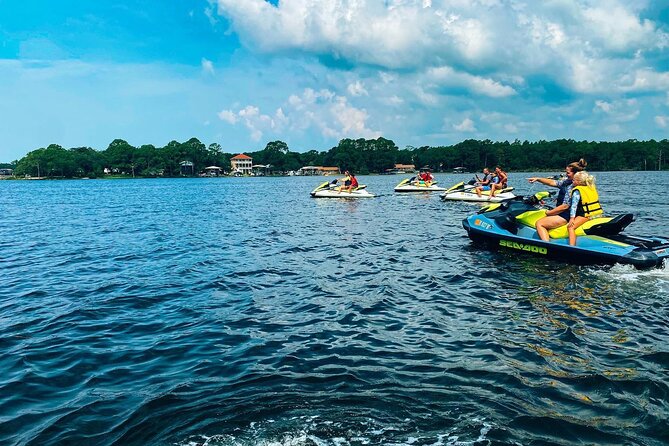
331 190
414 185
510 226
467 192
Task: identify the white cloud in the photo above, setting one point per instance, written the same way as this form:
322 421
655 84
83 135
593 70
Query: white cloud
387 78
446 76
662 121
207 66
357 89
228 116
424 97
331 114
467 125
393 100
323 110
623 110
280 117
604 106
255 122
620 29
210 12
586 75
584 46
393 34
645 80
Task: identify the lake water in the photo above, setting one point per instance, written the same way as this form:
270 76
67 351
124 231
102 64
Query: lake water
240 311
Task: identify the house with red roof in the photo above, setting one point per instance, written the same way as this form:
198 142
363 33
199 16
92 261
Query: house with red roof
241 164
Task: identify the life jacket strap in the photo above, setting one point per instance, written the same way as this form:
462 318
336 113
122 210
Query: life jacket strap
592 209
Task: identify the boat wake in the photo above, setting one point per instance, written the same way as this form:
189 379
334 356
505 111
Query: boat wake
316 431
628 277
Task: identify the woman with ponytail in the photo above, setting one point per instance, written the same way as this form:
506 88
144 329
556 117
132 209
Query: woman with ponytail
559 215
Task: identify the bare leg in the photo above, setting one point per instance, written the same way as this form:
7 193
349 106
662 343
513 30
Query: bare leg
578 221
542 231
492 191
543 225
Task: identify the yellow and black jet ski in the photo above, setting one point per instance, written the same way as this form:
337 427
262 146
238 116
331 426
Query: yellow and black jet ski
510 226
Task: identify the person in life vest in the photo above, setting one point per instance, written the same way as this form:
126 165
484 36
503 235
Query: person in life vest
502 180
426 178
350 182
559 215
484 182
584 203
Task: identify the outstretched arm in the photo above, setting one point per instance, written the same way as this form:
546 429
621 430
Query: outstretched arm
546 181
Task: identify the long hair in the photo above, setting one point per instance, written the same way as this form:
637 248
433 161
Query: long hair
584 178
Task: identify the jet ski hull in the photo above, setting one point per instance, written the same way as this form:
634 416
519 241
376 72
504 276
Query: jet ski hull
331 193
413 185
471 196
330 190
500 232
415 188
466 192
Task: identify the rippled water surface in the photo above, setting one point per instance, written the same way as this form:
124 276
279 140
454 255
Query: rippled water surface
240 311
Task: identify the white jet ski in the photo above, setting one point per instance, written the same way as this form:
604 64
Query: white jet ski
467 192
413 185
331 190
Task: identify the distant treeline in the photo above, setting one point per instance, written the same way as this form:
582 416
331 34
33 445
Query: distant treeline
361 155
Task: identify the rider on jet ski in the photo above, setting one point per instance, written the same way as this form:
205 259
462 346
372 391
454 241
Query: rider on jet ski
584 203
484 183
426 178
502 180
559 215
350 182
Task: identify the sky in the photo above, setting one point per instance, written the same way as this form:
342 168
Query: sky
242 73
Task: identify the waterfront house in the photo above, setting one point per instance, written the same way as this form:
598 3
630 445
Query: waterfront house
186 168
261 169
309 170
213 171
318 170
330 171
242 164
401 168
6 172
405 168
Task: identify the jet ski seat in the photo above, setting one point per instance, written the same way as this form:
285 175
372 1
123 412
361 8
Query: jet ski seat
612 227
602 226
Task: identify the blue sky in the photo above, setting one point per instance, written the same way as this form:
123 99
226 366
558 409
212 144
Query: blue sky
311 72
